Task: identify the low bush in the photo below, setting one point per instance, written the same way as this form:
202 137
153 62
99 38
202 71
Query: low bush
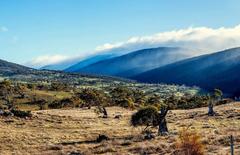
189 143
64 103
21 114
146 116
126 103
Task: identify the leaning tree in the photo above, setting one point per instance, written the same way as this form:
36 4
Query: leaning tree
215 97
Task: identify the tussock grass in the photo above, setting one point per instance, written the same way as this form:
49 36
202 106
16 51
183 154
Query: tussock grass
60 131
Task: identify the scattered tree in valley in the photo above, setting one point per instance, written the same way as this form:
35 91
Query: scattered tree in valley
93 97
214 98
150 117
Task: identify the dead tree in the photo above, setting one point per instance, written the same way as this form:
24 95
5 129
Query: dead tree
210 108
105 114
101 110
162 123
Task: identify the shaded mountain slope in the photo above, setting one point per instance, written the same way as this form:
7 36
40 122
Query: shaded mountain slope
8 68
137 62
217 70
89 61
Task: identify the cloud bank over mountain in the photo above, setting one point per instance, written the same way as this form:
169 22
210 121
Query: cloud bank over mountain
202 39
46 60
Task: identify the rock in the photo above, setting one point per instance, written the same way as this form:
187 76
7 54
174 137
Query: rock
105 116
216 132
102 138
75 153
149 137
118 116
1 112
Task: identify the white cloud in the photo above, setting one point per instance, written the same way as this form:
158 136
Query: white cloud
204 39
201 39
3 29
46 60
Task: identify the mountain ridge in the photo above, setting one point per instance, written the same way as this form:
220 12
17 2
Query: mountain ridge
216 70
9 68
142 60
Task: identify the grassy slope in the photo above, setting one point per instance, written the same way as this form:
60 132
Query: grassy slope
23 104
64 131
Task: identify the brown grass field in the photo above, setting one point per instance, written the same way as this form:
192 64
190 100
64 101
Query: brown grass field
69 131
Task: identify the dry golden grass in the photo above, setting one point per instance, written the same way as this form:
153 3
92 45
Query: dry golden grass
189 143
55 94
74 130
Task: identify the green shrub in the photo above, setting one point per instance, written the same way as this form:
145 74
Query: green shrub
93 97
21 114
64 103
126 103
145 116
128 98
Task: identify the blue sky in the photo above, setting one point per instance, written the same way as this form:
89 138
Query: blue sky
33 28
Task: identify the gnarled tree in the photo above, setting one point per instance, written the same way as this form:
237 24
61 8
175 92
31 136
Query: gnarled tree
215 97
149 116
93 97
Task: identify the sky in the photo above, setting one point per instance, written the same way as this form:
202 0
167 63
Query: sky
41 32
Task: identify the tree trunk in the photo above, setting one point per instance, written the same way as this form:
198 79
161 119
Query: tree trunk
162 128
210 109
162 124
105 115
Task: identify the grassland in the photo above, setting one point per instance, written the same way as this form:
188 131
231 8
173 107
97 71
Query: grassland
69 131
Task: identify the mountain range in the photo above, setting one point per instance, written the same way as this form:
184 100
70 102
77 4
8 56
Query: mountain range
137 62
8 68
170 65
88 61
217 70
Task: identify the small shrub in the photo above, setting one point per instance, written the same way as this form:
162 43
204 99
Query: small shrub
64 103
146 116
189 143
43 106
126 103
101 138
21 114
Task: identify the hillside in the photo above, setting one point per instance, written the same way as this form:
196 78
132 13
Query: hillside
89 61
8 68
66 131
136 62
217 70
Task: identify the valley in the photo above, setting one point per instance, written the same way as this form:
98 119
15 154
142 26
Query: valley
108 77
